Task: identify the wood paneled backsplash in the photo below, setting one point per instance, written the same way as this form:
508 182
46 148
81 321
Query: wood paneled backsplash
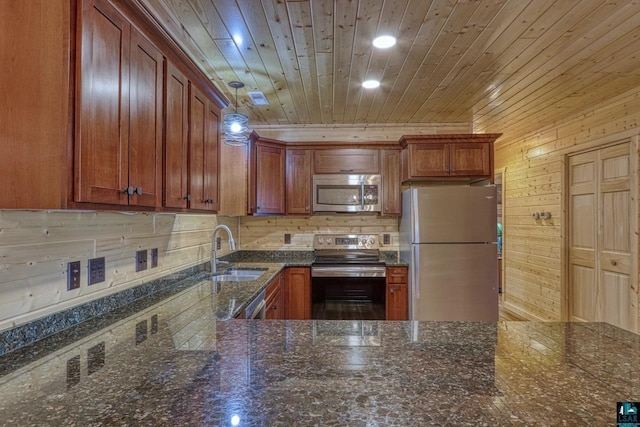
534 171
267 233
35 247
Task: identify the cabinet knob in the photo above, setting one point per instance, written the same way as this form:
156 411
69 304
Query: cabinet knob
208 201
129 190
139 191
187 197
614 262
306 208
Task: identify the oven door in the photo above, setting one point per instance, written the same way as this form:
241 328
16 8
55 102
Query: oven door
346 193
346 270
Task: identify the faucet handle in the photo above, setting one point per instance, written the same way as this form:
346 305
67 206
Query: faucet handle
221 262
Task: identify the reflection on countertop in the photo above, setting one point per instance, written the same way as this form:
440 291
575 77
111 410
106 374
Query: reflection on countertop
173 363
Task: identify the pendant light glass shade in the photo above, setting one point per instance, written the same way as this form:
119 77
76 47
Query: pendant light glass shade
236 125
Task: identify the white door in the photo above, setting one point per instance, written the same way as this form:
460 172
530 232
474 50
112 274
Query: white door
602 242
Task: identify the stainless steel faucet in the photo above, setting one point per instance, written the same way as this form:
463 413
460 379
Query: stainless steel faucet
232 245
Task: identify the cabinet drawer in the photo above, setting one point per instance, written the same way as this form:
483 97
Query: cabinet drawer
346 161
397 275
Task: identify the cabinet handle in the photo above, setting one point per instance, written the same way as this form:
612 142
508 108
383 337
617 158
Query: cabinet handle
187 197
396 275
139 191
129 190
346 170
209 201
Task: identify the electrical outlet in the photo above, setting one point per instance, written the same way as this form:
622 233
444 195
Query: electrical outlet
141 332
96 270
73 275
287 238
73 371
154 257
154 324
95 358
386 239
141 260
218 243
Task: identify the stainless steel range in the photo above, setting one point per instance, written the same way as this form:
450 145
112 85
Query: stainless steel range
347 277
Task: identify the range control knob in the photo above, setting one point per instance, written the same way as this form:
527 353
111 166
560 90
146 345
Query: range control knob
328 240
371 240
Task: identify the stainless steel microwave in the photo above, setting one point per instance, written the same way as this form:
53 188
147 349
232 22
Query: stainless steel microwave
346 193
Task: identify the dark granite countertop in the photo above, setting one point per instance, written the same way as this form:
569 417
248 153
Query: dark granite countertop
172 363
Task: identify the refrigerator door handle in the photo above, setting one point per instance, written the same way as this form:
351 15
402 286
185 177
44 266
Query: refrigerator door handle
415 268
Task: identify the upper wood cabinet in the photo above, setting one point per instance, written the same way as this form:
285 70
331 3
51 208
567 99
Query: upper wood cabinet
299 181
191 145
436 156
176 139
118 150
203 152
391 187
266 186
346 160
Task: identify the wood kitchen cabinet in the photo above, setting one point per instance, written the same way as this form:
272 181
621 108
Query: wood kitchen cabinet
118 147
397 297
298 293
346 160
203 152
467 156
97 132
274 298
391 188
191 145
298 182
266 187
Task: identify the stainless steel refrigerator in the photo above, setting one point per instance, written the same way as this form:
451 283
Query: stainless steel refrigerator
448 234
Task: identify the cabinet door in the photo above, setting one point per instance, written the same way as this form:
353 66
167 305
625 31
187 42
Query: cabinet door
429 160
102 151
297 293
470 159
274 298
176 123
298 181
198 114
391 189
212 157
347 160
145 124
270 179
397 303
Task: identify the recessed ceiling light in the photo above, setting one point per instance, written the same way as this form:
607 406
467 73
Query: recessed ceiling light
370 84
384 42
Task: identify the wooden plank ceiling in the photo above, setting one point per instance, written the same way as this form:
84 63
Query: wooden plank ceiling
511 66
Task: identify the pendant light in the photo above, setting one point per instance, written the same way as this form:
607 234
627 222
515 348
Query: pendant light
235 124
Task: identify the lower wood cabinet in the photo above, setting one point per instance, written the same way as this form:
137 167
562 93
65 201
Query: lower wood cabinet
397 298
274 298
298 293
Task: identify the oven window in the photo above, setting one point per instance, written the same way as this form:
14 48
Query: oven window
348 298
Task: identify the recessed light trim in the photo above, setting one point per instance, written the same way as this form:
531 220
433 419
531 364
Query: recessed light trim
370 84
384 42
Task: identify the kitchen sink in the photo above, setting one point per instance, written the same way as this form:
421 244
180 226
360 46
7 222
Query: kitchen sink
239 275
234 278
245 271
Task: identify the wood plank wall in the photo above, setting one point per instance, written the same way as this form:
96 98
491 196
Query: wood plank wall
267 233
534 178
35 247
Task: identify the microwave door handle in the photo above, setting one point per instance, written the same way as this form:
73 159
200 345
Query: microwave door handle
362 195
